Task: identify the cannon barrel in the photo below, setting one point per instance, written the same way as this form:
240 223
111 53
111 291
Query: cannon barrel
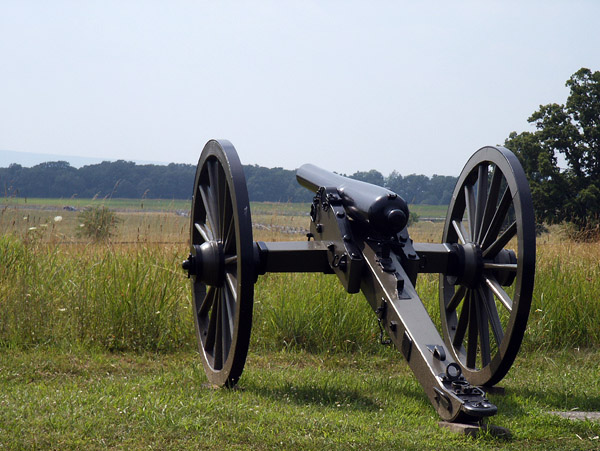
381 208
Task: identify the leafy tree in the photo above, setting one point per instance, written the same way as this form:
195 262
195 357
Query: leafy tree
373 177
548 185
572 130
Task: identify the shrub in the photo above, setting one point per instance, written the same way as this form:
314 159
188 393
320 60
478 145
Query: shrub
97 223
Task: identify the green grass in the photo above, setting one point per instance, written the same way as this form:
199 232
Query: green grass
132 298
258 208
79 399
315 315
110 294
430 211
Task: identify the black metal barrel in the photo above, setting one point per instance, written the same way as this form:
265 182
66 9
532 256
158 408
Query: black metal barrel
383 209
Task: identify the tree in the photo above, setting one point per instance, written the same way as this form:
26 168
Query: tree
373 177
571 130
548 186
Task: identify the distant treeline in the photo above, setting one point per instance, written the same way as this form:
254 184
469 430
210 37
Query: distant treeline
125 179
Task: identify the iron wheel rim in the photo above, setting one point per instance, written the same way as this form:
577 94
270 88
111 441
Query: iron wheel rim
485 336
223 312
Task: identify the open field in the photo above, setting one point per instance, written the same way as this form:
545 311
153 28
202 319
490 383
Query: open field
97 348
116 204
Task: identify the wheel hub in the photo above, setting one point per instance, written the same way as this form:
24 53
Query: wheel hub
471 265
207 263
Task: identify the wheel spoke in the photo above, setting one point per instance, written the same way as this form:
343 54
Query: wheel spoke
219 184
490 205
226 326
208 207
232 284
211 333
494 229
203 231
511 267
470 203
207 302
473 332
482 192
229 244
492 313
218 194
459 228
499 292
229 303
218 349
231 260
502 241
484 331
456 298
226 210
213 185
463 321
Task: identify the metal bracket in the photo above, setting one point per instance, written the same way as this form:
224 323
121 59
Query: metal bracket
437 351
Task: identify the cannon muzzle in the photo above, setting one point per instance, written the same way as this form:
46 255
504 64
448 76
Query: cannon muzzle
382 209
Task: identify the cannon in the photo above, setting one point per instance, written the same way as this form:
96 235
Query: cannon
358 231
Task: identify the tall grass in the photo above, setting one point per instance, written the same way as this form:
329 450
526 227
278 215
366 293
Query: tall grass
135 296
116 298
312 312
566 304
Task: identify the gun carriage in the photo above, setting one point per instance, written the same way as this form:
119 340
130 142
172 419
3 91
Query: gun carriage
358 231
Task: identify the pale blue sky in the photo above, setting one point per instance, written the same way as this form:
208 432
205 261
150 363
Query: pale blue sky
346 85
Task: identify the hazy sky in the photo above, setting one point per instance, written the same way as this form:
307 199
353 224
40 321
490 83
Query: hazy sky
347 85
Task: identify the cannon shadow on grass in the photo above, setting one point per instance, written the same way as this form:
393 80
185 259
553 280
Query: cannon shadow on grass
326 395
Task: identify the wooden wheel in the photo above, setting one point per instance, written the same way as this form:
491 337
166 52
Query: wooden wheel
220 264
485 306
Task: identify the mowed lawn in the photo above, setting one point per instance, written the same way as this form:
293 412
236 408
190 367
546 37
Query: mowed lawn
81 399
